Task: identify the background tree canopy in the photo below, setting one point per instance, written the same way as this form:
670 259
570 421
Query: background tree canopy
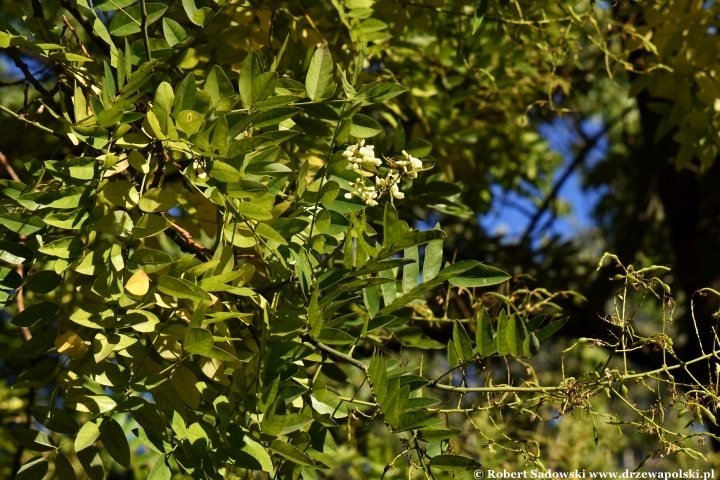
261 239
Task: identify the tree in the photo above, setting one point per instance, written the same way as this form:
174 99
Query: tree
220 238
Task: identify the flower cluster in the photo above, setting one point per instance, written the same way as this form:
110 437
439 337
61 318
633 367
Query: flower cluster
390 184
367 193
410 166
370 193
363 156
359 154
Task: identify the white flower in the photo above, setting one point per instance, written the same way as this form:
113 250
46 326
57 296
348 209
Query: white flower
367 193
410 165
200 173
359 154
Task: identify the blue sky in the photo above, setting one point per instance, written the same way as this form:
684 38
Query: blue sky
564 140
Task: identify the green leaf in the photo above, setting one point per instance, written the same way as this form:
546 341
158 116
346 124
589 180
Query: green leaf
223 172
452 356
314 315
198 340
263 86
116 223
291 453
249 73
275 116
502 334
115 442
190 121
147 259
38 375
68 221
480 276
180 288
184 382
35 315
319 76
149 225
484 335
411 271
55 419
157 200
462 342
479 14
414 419
87 436
453 463
127 21
160 471
249 453
364 127
444 275
15 253
34 469
381 92
418 148
33 439
253 212
379 322
91 463
515 334
436 434
68 247
94 315
550 329
333 336
122 194
66 198
266 231
218 85
63 468
21 223
43 282
173 32
110 5
433 258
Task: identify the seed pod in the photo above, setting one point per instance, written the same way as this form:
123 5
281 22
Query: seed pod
708 414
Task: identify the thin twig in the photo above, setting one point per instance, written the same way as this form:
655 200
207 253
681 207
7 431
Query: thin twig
29 122
13 53
143 26
77 39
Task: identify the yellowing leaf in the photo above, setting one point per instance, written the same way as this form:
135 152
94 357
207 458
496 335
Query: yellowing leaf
139 284
70 344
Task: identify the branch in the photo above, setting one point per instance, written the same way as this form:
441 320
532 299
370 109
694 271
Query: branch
11 171
190 241
77 39
336 354
87 26
14 54
30 122
579 159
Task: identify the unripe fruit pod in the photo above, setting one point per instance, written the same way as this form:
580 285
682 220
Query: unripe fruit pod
607 392
708 414
534 344
624 390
